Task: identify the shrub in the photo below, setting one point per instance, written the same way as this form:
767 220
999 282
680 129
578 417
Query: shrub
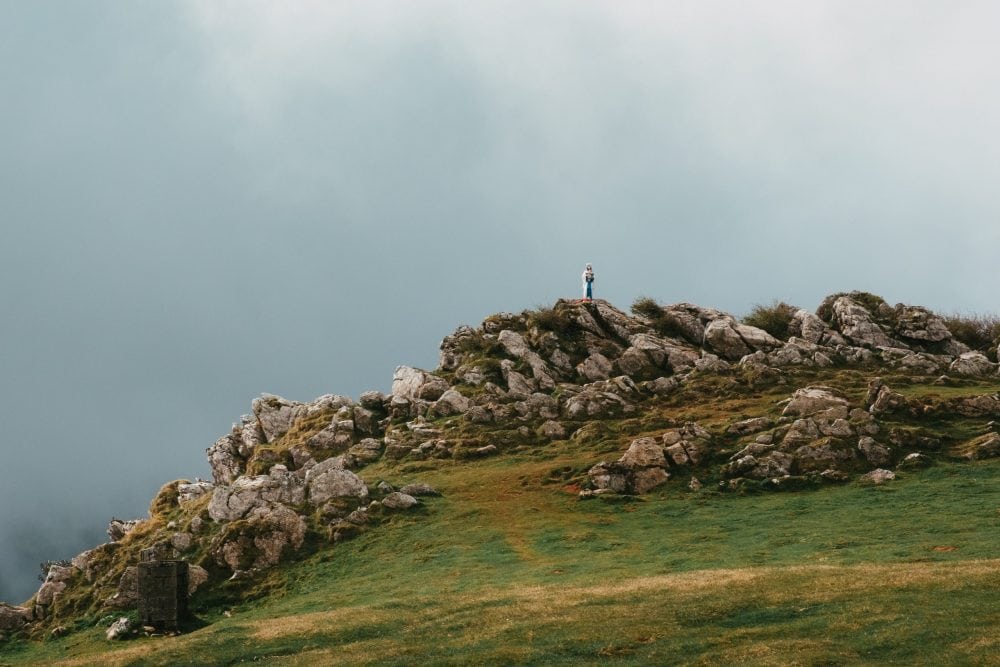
558 320
773 318
663 322
979 332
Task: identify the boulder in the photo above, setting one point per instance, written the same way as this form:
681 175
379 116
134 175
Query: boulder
748 426
595 367
117 528
399 501
878 476
326 480
722 336
856 323
824 453
413 383
127 595
882 400
515 345
987 405
919 324
372 400
552 430
643 452
225 460
984 447
267 535
275 415
973 363
233 502
451 403
811 400
120 629
875 453
188 491
809 327
419 489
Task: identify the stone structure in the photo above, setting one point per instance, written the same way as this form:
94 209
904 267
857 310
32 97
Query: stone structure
163 589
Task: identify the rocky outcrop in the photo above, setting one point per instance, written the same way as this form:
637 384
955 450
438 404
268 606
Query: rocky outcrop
245 494
13 618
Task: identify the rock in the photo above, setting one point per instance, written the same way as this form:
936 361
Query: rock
181 541
12 618
811 400
643 452
517 384
384 487
451 403
487 450
127 595
399 501
366 451
196 524
977 406
812 329
326 481
914 460
647 479
419 489
59 631
552 430
517 347
748 426
337 436
372 400
117 529
710 363
267 535
876 454
882 400
609 477
919 324
973 363
801 431
595 367
831 475
878 476
225 460
233 502
984 447
824 453
694 484
197 576
275 415
188 491
413 383
120 629
856 324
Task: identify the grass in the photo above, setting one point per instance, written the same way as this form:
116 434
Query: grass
509 568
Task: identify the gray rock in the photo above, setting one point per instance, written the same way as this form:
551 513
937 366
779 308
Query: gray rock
647 479
127 595
120 629
399 501
225 460
855 322
13 618
267 536
372 400
878 476
235 501
188 491
181 541
721 335
811 400
595 367
451 403
710 363
326 481
117 528
875 453
517 347
276 415
419 489
973 363
643 452
552 430
412 383
822 454
752 425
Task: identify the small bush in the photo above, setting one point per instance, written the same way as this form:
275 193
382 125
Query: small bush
557 320
979 332
663 322
773 318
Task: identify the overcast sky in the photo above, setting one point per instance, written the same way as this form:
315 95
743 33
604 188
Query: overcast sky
203 201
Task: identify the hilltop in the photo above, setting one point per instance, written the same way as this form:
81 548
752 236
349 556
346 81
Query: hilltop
586 456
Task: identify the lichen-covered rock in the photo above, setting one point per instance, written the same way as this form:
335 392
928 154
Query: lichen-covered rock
120 629
451 403
327 480
974 364
188 491
643 452
595 367
856 323
413 383
232 502
875 453
275 415
883 400
811 400
398 500
262 540
878 476
117 528
824 453
517 347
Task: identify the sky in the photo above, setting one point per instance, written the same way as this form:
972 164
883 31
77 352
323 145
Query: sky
203 201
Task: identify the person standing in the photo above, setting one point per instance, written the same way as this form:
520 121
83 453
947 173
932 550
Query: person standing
588 283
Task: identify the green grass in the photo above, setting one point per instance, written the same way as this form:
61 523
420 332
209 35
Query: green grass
509 568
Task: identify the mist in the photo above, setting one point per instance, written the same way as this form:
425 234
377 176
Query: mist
206 201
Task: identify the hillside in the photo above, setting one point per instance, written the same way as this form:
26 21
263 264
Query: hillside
580 484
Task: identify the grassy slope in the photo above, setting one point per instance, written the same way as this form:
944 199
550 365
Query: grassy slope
509 566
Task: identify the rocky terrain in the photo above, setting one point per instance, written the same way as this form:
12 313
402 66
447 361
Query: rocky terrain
685 395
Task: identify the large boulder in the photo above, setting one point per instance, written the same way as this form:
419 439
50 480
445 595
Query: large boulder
275 415
975 364
412 383
857 324
235 501
812 400
327 480
515 345
262 540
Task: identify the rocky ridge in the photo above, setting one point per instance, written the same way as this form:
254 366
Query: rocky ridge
290 475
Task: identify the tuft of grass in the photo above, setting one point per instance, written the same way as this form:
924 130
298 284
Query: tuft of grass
981 332
773 318
662 322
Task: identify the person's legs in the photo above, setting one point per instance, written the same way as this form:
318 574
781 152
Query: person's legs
590 291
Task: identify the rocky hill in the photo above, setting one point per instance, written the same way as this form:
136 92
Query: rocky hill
679 394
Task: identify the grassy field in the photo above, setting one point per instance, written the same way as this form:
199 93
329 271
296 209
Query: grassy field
510 567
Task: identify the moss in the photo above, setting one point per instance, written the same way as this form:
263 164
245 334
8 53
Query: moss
165 502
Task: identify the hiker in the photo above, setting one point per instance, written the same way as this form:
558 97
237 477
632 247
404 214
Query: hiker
588 283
